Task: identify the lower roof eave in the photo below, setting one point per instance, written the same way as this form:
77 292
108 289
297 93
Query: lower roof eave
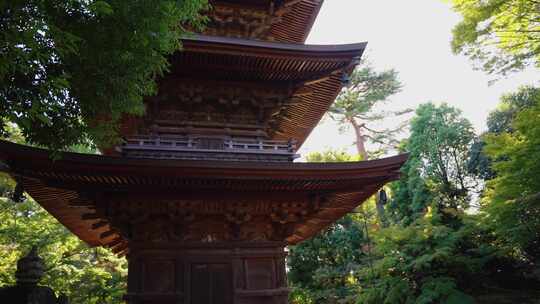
66 187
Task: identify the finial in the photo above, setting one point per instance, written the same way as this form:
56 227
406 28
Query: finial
29 268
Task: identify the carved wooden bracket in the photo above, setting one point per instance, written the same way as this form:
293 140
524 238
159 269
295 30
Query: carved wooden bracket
199 221
241 22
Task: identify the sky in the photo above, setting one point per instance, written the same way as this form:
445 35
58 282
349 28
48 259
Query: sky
412 37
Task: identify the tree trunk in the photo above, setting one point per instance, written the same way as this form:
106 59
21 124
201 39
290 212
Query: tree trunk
360 139
361 148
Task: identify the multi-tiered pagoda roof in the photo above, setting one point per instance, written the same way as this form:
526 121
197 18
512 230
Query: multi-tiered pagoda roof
202 194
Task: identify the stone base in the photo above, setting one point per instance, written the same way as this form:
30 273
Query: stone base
207 273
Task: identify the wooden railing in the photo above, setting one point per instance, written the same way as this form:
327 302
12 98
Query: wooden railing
208 144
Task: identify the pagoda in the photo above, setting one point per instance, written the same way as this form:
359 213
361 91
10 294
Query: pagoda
203 195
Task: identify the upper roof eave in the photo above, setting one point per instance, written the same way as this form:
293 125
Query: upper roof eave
316 69
229 45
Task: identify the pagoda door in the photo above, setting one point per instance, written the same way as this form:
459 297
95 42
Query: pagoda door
211 284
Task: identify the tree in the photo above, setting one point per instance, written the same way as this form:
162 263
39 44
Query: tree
502 35
500 121
76 67
439 147
85 275
410 194
513 197
322 268
331 156
434 252
355 106
420 263
430 262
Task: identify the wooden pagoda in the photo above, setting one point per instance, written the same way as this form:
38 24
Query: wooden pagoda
203 196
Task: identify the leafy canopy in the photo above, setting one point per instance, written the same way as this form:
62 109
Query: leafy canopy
423 262
84 274
356 106
502 35
321 269
500 121
513 196
434 252
440 139
367 87
69 70
410 194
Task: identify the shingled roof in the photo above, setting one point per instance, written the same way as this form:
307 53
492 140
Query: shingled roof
72 187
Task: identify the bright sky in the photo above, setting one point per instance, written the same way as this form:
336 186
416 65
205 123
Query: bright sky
413 37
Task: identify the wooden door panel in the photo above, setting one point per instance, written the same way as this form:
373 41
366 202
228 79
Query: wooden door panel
211 284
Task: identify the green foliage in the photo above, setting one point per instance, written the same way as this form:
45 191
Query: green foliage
500 121
76 67
435 252
7 185
84 274
439 145
437 167
478 163
429 256
513 198
366 89
446 256
431 262
331 156
410 194
321 269
502 35
355 106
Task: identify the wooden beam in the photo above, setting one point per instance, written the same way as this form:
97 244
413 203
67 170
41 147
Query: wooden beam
99 225
90 216
114 243
79 202
120 248
107 234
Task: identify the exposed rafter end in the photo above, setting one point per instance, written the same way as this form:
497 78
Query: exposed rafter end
315 81
99 225
107 234
114 243
90 216
78 202
118 249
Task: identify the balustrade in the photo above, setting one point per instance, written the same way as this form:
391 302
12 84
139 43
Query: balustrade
192 147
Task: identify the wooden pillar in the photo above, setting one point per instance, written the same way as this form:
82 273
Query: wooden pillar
207 273
219 251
